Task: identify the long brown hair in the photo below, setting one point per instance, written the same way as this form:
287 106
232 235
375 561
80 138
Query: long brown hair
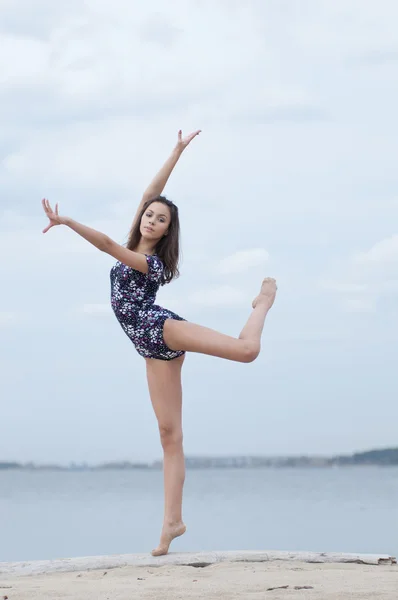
167 248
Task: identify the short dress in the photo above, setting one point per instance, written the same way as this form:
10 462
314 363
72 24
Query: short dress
133 296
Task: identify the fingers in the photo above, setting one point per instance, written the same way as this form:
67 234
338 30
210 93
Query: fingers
189 137
193 134
46 205
47 209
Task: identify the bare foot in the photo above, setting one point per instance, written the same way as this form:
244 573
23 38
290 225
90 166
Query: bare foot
267 293
169 532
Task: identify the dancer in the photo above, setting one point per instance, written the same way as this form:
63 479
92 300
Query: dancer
161 337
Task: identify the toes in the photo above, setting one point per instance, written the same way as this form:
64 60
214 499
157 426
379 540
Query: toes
159 551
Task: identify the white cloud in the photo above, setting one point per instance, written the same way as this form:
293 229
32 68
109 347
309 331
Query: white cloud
19 231
7 318
344 288
241 261
97 309
223 295
385 251
29 61
359 304
297 102
341 28
366 277
121 57
209 297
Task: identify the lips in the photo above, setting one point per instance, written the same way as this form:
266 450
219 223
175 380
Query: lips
148 228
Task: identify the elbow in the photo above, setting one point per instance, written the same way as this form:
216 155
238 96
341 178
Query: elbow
105 244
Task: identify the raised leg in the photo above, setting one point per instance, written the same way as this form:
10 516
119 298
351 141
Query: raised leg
164 381
182 335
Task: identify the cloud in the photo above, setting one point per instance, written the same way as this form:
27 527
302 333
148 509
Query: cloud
29 59
158 29
241 261
116 59
342 28
208 297
97 309
344 288
35 20
298 155
7 318
383 252
21 235
377 58
359 304
223 295
366 277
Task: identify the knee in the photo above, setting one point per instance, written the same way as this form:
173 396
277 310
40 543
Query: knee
250 351
170 437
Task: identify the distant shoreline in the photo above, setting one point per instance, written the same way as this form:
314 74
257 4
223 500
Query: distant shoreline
382 458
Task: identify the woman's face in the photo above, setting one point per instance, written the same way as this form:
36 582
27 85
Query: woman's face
155 221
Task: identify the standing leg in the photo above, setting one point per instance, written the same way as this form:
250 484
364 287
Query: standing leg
164 381
182 335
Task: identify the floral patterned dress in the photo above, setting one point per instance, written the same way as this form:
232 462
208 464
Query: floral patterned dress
133 295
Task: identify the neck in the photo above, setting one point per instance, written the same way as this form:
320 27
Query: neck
145 247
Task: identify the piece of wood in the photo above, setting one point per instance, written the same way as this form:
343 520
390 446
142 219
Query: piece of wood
200 560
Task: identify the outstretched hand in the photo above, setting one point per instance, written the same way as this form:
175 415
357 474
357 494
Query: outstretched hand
54 217
183 142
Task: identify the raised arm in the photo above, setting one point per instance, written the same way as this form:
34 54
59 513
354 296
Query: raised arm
157 185
96 238
101 240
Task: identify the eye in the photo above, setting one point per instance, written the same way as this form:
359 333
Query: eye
162 220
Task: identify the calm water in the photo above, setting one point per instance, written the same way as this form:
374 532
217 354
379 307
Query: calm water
46 515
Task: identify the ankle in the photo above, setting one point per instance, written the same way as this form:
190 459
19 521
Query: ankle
172 522
262 303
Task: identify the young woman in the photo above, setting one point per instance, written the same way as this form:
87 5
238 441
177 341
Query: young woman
150 259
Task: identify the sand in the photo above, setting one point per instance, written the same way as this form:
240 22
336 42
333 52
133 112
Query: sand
226 580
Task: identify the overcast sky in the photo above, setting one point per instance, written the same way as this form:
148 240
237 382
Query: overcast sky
294 176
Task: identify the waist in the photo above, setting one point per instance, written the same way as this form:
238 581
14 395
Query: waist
131 305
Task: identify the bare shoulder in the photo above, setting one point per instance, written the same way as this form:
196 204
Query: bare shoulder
132 259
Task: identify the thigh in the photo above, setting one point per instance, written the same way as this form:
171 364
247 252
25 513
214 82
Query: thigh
165 389
189 337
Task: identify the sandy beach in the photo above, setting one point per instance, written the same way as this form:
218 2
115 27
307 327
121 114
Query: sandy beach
226 579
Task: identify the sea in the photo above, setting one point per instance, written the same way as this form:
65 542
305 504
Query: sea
64 514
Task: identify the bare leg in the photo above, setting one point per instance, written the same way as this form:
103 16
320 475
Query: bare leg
164 381
182 335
